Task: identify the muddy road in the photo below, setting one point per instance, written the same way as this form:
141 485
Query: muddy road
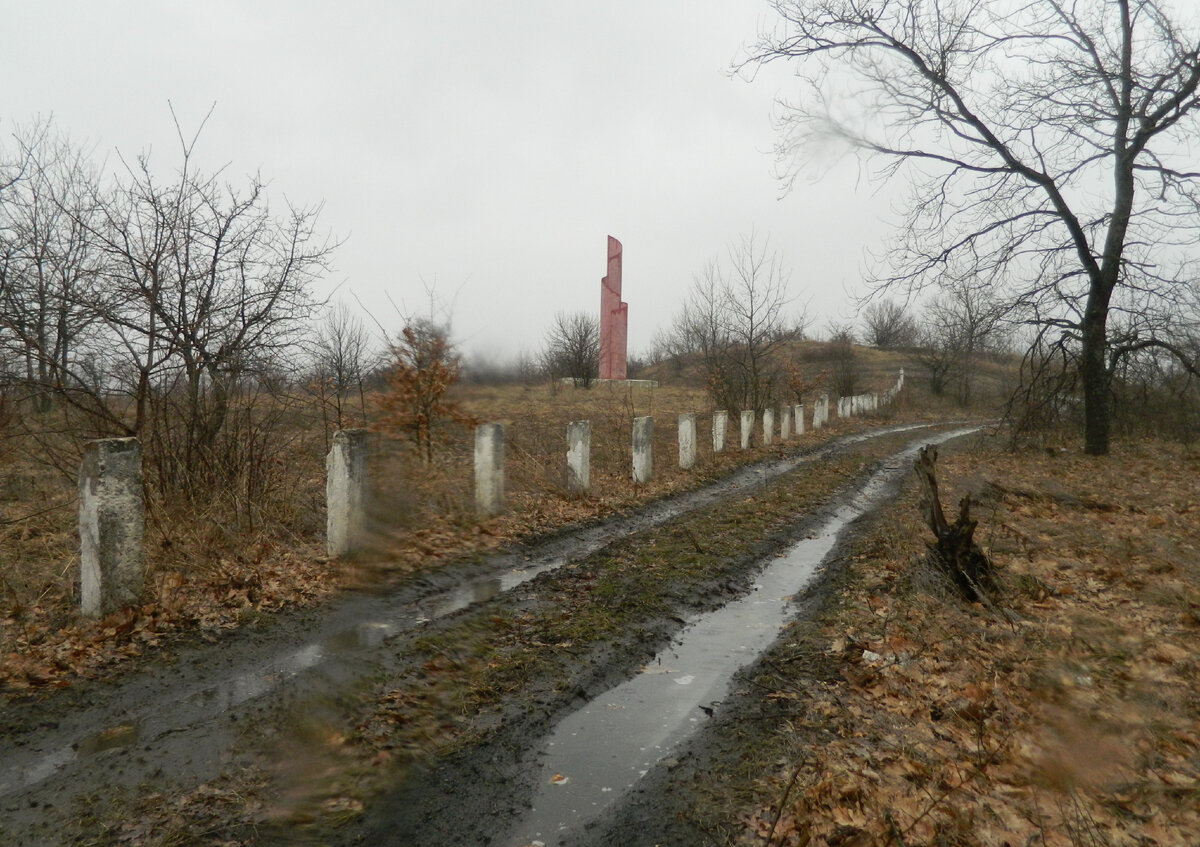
546 695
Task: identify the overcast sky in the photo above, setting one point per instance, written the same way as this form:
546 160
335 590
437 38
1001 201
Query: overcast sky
484 147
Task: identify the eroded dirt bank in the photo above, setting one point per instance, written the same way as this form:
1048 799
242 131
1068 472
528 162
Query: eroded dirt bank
357 724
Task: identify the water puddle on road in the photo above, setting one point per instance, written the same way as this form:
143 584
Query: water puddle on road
178 711
599 753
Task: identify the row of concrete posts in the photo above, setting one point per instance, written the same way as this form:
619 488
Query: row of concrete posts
111 512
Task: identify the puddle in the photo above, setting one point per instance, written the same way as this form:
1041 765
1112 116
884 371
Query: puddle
601 751
588 540
207 701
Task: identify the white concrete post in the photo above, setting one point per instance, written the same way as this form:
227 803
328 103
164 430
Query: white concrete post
346 492
785 423
747 428
643 448
799 419
111 524
489 468
579 455
768 426
720 428
687 440
900 380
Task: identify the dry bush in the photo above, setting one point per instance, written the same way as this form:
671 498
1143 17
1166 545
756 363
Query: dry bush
255 542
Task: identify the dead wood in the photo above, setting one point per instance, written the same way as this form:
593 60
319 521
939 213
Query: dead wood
954 552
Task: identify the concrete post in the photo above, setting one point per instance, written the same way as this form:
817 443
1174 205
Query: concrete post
643 448
346 492
747 428
900 380
720 428
489 468
768 426
816 415
785 423
579 455
111 523
799 417
687 440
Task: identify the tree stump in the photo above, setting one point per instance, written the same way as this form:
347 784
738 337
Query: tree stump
954 552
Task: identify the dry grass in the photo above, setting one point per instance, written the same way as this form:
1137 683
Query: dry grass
1065 716
205 571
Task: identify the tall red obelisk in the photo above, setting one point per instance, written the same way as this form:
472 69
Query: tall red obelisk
614 317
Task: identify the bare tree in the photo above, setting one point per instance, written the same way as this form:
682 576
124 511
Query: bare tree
48 267
962 323
344 357
1046 143
844 368
735 322
200 293
572 348
887 323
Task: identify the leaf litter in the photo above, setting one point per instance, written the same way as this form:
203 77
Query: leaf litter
1065 714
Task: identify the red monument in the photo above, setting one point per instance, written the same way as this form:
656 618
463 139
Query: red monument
614 317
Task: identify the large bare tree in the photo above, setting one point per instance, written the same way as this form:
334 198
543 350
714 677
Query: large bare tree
735 322
154 305
1047 144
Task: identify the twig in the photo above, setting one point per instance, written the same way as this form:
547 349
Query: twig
783 800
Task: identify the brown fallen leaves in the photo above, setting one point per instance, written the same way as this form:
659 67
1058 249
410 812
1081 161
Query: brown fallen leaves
48 647
1068 714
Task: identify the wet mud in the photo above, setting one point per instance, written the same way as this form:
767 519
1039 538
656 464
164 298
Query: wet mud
178 722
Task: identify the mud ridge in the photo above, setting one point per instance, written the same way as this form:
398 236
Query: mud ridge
177 722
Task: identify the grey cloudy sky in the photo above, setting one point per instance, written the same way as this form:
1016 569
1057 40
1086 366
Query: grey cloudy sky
485 146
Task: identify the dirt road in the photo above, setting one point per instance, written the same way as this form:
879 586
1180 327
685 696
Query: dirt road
445 712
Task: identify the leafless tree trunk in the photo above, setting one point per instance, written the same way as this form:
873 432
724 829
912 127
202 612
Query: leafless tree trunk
1047 146
954 552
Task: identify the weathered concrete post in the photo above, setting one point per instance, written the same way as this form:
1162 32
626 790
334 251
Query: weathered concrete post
579 455
799 419
346 492
824 409
720 428
817 415
643 448
785 423
489 468
768 428
747 428
687 440
111 523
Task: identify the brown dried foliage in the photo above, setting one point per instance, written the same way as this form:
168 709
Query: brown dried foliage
1066 714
